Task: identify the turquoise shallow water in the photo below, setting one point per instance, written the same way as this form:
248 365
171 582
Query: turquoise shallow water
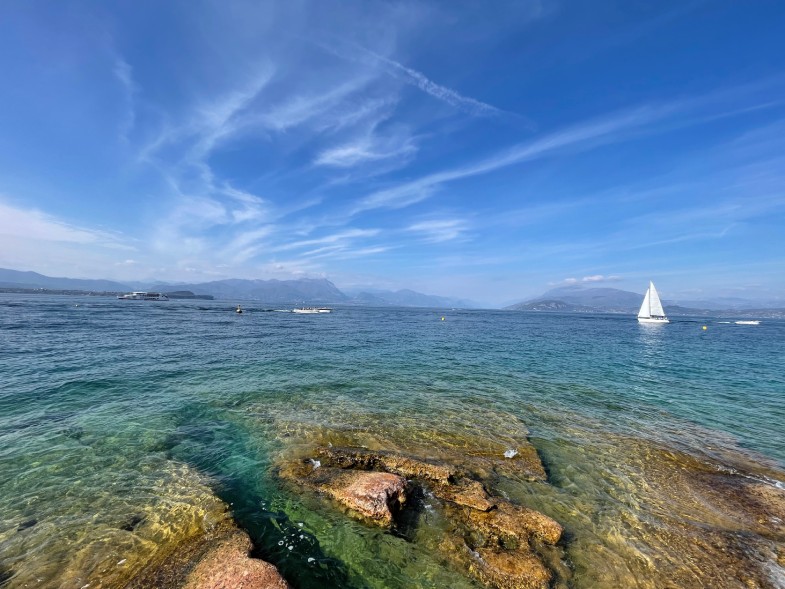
116 411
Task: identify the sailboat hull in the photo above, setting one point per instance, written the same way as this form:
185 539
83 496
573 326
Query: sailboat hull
652 320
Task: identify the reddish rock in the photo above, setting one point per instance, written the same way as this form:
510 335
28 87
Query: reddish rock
375 495
228 566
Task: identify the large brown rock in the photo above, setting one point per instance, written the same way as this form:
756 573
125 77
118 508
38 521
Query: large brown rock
374 495
217 560
228 566
360 458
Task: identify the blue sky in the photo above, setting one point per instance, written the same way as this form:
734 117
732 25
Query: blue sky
487 150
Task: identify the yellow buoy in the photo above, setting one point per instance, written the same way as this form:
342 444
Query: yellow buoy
442 318
705 328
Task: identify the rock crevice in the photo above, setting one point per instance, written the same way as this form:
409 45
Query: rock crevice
492 539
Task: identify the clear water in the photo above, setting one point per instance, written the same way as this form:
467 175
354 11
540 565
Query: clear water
121 421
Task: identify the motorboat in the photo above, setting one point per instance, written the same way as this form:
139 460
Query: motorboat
143 296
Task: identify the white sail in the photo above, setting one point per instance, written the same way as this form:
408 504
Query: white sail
651 309
655 306
645 312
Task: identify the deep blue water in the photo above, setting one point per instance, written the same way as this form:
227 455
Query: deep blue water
102 400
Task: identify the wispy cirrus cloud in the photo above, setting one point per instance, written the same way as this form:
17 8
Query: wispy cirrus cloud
593 279
124 74
34 225
421 81
439 230
368 148
354 52
33 240
578 137
613 128
342 238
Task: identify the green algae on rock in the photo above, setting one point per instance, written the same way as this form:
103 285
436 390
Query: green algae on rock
217 560
171 506
227 564
491 539
361 458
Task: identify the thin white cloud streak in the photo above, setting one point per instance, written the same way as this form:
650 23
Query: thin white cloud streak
576 137
362 252
367 149
124 74
252 207
344 236
33 240
437 231
614 128
211 122
421 81
35 225
600 278
411 77
298 110
218 121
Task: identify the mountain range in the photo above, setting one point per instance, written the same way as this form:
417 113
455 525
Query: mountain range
580 299
566 299
300 291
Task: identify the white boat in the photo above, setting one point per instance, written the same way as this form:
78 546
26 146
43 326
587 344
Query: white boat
143 296
651 309
311 310
747 322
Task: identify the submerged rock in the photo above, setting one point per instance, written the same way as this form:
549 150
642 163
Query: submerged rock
510 570
227 564
514 521
377 496
525 464
360 458
218 560
492 539
465 492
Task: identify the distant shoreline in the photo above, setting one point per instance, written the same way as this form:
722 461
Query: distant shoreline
94 293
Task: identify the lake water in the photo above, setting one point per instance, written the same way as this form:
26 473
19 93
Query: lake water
122 421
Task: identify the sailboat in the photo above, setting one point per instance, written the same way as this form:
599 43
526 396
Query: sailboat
651 309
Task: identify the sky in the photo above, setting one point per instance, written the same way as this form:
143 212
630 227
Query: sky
483 150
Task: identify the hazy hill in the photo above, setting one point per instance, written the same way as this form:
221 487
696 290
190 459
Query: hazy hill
18 279
601 298
579 299
406 298
304 290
